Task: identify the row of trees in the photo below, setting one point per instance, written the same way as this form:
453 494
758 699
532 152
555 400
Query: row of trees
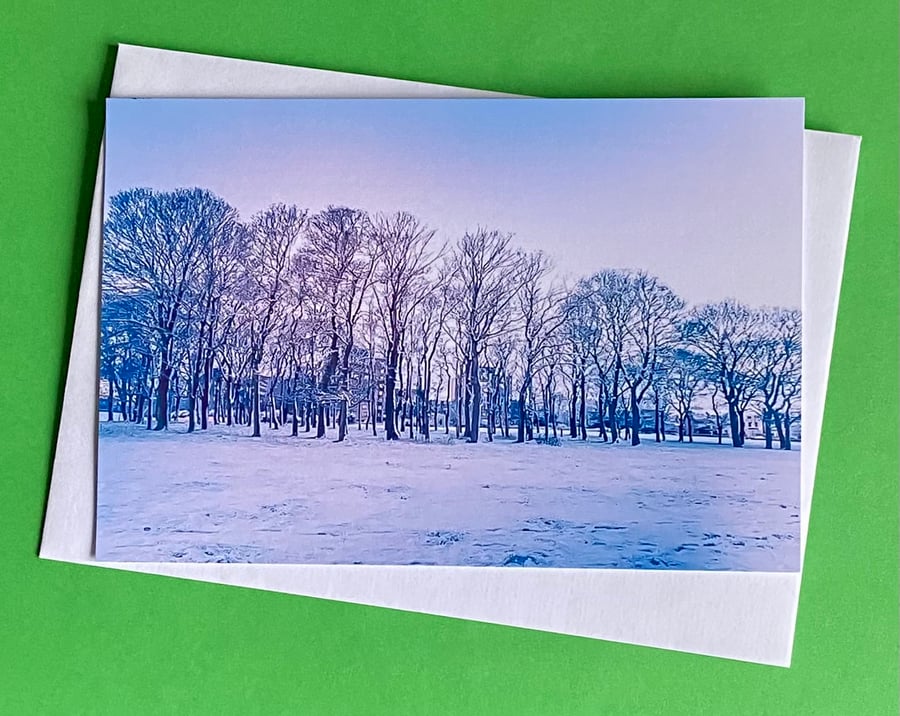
338 317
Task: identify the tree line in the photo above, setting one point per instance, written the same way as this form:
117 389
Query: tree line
321 320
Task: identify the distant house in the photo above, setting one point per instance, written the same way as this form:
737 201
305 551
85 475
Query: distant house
754 427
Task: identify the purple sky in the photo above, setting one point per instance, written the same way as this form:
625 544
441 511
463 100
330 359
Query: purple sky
706 194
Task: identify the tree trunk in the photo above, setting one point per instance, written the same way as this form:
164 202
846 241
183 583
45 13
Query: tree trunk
162 398
342 420
409 400
447 408
109 399
373 409
175 398
192 410
734 424
459 413
327 376
490 413
718 421
124 399
553 412
425 417
529 415
344 407
254 408
401 400
690 426
600 414
217 400
545 399
437 403
520 428
582 410
787 429
656 415
779 427
274 423
320 420
613 422
390 393
229 401
204 393
767 428
475 387
507 388
635 419
467 390
573 407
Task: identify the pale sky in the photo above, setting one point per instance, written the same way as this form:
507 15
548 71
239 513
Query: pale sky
706 194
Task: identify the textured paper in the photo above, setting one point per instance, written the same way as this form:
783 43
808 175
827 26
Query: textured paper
747 616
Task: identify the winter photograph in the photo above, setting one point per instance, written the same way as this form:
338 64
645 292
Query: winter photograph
460 332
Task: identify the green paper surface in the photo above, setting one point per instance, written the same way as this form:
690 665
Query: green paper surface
77 639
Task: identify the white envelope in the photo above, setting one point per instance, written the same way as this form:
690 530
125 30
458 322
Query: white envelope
738 615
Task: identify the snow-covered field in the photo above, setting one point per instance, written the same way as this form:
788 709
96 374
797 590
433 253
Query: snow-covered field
220 496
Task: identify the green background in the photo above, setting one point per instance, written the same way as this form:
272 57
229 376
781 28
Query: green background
85 640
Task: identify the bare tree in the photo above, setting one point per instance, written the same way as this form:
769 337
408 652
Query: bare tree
650 330
274 233
609 296
685 380
124 350
218 275
728 334
486 275
715 400
430 314
405 258
542 314
342 263
372 341
155 243
779 372
579 329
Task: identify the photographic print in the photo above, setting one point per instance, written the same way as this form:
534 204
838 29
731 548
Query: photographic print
483 332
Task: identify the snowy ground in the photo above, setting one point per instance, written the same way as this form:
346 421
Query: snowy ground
223 497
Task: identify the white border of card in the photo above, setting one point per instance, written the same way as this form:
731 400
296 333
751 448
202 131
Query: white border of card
737 615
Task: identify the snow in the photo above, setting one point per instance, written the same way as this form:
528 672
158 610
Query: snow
221 496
